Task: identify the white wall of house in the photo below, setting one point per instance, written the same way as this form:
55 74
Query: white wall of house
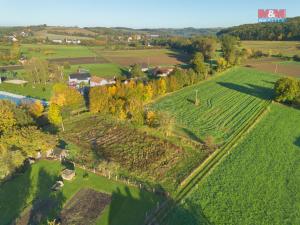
102 82
79 81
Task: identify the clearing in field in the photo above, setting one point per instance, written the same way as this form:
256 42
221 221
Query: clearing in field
227 104
258 181
286 48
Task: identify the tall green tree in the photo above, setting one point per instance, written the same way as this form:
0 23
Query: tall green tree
7 118
198 64
136 71
287 89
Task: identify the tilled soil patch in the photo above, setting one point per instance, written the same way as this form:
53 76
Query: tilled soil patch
84 208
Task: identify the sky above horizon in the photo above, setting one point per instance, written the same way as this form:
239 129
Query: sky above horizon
138 13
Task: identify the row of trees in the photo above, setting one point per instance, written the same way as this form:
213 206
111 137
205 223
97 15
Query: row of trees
289 30
39 71
126 101
206 45
232 54
12 54
20 137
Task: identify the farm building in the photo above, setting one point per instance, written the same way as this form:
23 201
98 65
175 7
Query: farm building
78 78
57 41
144 67
67 174
99 81
75 42
162 72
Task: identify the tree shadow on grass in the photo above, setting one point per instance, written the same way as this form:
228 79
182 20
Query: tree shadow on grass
191 135
47 204
254 90
126 209
129 208
297 142
13 196
189 214
180 56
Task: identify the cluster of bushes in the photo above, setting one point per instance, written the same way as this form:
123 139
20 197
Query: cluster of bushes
296 58
20 137
288 91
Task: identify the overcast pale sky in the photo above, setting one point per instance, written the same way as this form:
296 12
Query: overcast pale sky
139 13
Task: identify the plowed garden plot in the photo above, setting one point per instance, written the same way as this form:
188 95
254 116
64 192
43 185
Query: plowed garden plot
153 57
275 66
84 208
227 104
135 152
79 60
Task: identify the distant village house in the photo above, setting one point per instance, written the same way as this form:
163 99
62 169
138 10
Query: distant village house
162 72
99 81
79 78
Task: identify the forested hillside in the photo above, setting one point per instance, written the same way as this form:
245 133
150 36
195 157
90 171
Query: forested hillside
289 30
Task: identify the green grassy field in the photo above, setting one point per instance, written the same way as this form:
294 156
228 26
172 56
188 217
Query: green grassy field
290 63
101 70
128 206
38 91
258 181
287 48
55 51
226 103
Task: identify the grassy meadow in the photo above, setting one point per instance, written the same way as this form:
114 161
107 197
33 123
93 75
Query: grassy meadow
38 91
227 103
258 181
44 51
100 70
128 206
286 48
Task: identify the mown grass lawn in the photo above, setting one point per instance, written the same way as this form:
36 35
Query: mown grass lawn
55 51
128 205
258 183
227 103
100 70
39 91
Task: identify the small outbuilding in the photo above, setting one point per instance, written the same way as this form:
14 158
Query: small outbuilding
67 174
57 153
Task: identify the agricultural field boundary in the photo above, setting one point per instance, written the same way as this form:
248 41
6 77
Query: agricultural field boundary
204 169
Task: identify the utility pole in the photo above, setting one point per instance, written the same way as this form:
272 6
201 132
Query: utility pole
196 100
